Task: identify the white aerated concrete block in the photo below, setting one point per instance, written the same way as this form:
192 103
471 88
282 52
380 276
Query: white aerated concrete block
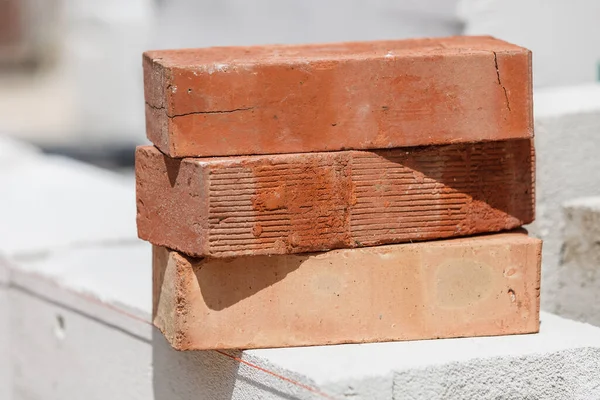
75 337
567 143
578 296
5 360
14 152
567 374
53 202
81 323
54 205
467 368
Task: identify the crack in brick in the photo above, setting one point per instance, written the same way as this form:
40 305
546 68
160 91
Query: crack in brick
201 112
214 112
500 82
155 107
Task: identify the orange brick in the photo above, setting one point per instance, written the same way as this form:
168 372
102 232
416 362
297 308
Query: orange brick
295 203
286 99
477 286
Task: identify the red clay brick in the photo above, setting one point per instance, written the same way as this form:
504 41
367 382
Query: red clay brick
370 95
295 203
475 286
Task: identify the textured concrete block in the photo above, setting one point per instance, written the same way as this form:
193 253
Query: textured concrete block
486 285
284 99
578 294
567 126
129 360
294 203
561 362
5 336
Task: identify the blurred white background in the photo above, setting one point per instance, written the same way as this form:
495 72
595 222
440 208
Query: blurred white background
70 74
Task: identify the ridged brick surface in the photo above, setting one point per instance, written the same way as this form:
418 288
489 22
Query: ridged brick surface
294 203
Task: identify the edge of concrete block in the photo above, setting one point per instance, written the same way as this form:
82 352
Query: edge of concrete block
563 100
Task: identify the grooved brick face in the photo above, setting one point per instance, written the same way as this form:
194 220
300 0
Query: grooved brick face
295 203
286 99
475 286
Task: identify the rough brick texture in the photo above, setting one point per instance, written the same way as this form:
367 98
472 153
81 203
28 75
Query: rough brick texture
370 95
477 286
294 203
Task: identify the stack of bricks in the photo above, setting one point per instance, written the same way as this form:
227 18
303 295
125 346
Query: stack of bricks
339 193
